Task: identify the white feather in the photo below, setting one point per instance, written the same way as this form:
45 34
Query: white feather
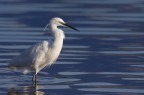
43 53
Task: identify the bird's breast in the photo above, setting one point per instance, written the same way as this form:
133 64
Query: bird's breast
54 51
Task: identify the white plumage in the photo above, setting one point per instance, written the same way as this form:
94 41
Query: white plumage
43 53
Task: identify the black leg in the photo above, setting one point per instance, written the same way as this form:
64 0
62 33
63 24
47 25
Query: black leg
34 79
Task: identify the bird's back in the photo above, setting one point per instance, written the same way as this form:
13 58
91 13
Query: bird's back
27 60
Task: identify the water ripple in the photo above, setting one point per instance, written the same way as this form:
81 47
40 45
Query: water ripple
104 58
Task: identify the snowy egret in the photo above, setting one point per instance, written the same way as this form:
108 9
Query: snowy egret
42 54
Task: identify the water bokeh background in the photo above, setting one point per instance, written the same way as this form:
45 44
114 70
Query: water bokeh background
105 58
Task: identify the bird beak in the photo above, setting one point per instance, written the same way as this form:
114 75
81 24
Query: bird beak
65 24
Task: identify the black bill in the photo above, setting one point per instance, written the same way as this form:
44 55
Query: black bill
69 26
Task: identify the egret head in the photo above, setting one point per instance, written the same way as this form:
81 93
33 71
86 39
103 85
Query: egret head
59 22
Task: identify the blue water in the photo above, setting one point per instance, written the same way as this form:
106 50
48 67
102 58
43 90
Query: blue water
104 58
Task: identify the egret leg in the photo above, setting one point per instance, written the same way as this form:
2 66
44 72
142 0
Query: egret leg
34 79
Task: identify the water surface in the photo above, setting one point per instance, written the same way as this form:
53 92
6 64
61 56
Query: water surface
104 58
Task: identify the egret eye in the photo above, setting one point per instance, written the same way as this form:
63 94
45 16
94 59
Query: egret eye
61 22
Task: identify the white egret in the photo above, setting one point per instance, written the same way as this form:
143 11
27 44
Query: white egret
44 53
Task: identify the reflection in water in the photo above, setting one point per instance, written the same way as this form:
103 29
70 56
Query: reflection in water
26 90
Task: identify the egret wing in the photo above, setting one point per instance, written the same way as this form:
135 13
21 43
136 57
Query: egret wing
30 57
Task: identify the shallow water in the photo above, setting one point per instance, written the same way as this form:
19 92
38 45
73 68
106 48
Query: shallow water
104 58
